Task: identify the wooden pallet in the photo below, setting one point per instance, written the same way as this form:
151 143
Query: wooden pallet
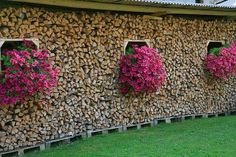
90 133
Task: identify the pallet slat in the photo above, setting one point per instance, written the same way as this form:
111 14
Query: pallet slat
90 133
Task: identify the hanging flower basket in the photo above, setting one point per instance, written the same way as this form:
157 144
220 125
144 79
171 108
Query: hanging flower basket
221 62
141 70
26 72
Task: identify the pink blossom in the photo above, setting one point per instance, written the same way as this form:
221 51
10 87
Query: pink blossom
13 61
142 71
223 65
25 78
36 54
35 63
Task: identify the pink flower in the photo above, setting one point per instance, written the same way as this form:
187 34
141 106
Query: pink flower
24 78
35 63
42 77
36 54
142 71
223 65
13 61
27 43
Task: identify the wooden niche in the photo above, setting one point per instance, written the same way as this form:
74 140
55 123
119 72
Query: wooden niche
11 44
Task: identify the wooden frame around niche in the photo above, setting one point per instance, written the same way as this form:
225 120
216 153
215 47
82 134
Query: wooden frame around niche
210 41
141 41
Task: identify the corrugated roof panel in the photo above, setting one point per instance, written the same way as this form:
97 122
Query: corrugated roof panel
177 4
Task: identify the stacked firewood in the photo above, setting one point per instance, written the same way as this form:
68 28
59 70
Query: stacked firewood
87 46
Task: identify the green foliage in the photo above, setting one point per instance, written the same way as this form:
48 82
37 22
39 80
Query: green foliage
216 50
129 51
6 60
23 47
3 79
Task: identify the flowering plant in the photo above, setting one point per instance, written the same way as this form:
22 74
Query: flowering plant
141 70
25 73
221 62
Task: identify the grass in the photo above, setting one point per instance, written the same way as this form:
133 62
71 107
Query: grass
214 137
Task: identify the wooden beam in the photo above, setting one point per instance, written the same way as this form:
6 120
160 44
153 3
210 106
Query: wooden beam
152 17
132 8
161 13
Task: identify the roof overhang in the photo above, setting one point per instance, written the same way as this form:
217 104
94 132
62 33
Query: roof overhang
139 6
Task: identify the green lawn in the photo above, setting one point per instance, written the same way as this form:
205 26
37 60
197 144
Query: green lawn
214 137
